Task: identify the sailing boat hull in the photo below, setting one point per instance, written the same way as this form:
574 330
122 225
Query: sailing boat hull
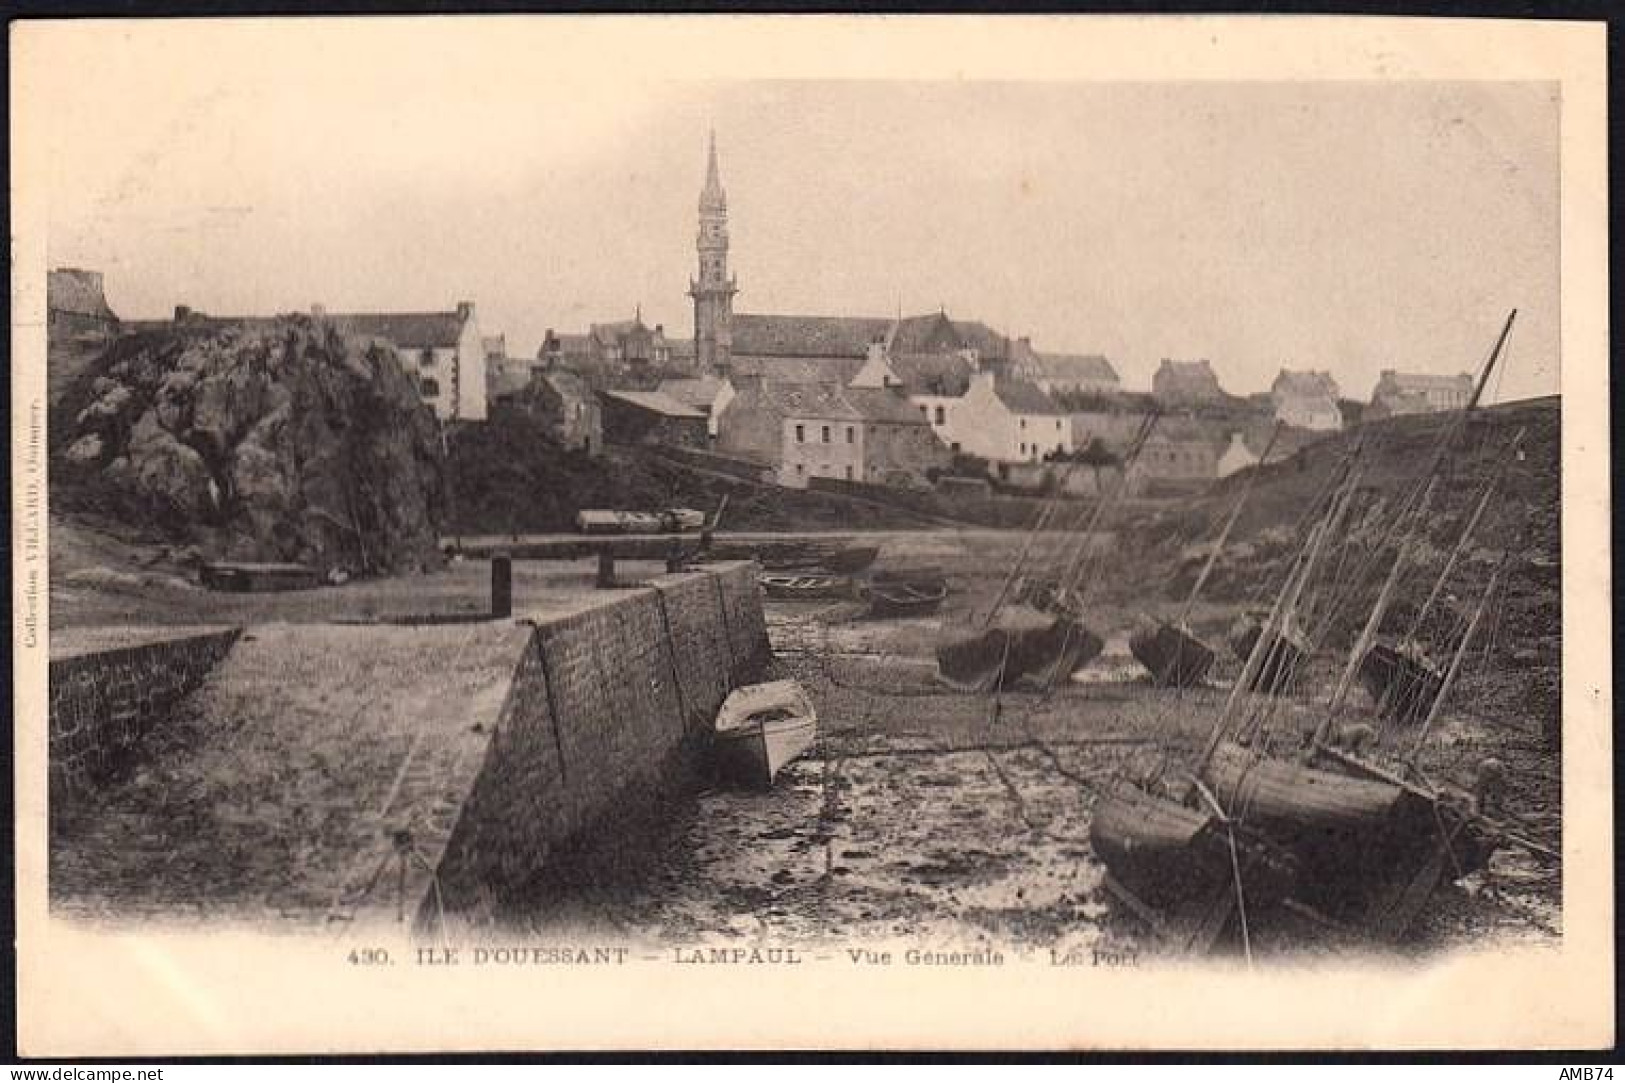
1290 798
1281 671
1173 657
1051 648
1158 848
1402 684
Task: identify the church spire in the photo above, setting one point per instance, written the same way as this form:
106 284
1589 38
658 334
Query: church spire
712 197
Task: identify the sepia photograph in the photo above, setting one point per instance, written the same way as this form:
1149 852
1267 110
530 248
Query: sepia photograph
505 510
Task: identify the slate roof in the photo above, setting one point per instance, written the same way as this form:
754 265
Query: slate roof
655 402
1201 369
699 392
806 336
77 292
1026 398
1079 367
879 404
405 329
1305 384
791 370
1421 381
933 373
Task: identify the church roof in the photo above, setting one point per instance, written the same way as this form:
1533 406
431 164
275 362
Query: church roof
806 336
797 370
1070 366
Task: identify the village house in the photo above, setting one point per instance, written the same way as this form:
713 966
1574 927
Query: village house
1400 393
503 374
1000 420
1186 383
565 406
443 350
1180 454
76 308
1306 400
709 395
609 352
1088 374
1112 419
651 417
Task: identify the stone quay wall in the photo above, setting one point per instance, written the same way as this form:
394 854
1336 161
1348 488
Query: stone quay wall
102 703
608 712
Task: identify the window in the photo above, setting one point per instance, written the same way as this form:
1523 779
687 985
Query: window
851 434
942 415
1024 423
849 473
1057 424
801 437
824 433
924 410
426 359
800 469
1024 449
954 447
429 386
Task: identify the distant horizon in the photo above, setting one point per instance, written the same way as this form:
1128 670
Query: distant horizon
1348 227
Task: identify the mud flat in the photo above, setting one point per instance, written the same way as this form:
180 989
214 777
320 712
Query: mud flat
925 818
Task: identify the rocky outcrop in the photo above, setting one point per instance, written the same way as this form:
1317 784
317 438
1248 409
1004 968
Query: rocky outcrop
281 441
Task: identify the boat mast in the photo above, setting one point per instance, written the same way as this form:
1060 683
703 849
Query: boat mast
1284 601
1455 662
1466 535
1373 622
1229 523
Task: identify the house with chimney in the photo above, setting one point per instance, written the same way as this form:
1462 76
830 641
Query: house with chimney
1306 400
652 417
564 405
1003 420
611 354
444 351
708 394
1186 383
1400 393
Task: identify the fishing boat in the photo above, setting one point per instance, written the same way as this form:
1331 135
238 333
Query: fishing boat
905 598
1402 680
1284 655
1020 642
1171 654
760 728
805 588
846 560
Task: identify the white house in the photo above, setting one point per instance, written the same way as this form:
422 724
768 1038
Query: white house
999 420
442 349
1307 400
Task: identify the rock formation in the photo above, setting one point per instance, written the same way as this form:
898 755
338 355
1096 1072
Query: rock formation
279 441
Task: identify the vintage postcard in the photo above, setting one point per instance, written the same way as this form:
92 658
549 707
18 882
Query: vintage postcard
1051 533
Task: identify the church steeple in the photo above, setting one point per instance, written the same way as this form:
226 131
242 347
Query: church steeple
714 289
712 197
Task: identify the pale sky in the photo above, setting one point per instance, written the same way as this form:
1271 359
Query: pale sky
1348 226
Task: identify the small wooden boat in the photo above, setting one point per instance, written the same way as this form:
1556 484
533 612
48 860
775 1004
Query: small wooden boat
1173 656
1402 682
1280 794
762 727
801 588
820 560
669 521
853 558
1282 668
254 578
1022 642
902 598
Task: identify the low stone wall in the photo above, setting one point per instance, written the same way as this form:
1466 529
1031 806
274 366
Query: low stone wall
608 712
103 702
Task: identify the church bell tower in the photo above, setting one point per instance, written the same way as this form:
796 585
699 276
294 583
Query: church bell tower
714 290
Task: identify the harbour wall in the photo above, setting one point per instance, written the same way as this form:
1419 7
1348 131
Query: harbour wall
607 714
103 702
357 776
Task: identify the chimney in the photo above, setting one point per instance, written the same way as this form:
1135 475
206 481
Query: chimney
182 313
465 310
